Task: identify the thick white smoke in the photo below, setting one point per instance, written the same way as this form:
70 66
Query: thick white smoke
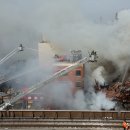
79 100
68 28
99 101
64 24
58 95
98 75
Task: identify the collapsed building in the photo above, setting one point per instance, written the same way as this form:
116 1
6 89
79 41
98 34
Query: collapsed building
59 62
76 77
117 92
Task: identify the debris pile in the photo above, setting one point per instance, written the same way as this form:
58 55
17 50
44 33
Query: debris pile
117 92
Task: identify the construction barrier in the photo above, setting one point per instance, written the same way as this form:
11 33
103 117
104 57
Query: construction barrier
65 114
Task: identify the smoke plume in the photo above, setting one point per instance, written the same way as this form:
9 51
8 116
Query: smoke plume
98 75
65 26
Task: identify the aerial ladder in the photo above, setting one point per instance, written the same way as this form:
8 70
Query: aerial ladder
18 49
92 58
12 53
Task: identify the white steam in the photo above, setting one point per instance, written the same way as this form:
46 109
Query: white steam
79 100
99 101
65 25
59 96
98 75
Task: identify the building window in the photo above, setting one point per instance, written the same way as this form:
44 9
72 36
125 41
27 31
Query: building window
78 84
78 72
29 98
35 98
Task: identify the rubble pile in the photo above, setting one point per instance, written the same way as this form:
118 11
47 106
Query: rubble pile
119 92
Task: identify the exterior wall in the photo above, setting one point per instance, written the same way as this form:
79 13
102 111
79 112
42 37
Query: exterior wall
71 76
45 53
76 76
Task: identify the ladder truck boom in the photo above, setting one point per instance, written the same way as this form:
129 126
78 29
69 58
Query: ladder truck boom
20 48
50 79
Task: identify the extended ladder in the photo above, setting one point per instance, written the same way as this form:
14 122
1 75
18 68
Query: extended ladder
92 58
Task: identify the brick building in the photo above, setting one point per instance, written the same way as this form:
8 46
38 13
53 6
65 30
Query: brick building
46 58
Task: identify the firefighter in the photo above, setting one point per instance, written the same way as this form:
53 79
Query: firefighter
125 125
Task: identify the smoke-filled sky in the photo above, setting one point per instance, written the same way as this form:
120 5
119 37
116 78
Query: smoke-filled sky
81 24
104 8
70 24
24 21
